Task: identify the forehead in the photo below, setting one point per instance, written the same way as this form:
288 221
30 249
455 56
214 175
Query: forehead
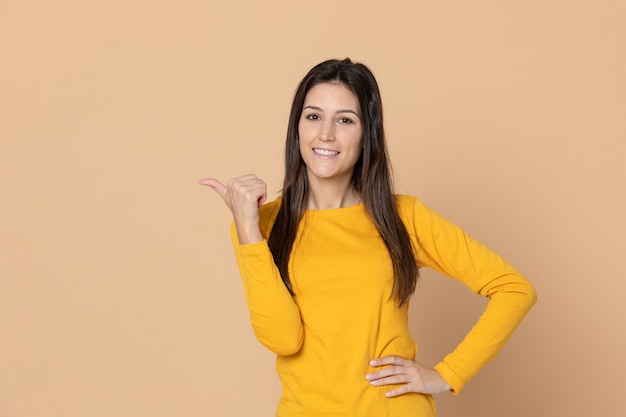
331 95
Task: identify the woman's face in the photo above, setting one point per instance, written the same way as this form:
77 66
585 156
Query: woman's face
331 132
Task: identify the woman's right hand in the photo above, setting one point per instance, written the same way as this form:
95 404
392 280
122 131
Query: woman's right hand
243 196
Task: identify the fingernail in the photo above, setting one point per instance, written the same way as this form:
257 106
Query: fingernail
373 362
368 376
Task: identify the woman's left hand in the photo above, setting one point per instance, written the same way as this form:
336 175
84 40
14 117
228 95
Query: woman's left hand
414 376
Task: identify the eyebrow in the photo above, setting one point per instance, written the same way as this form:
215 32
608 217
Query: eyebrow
338 111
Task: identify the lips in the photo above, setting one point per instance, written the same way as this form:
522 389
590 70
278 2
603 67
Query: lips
325 152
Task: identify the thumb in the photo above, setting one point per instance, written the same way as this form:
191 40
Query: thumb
215 184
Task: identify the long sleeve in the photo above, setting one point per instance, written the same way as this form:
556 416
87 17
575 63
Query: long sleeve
274 315
447 249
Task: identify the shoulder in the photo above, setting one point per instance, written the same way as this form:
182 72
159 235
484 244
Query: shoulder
407 204
403 200
412 210
268 213
270 208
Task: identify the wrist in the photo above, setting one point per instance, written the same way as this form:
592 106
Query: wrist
444 385
248 234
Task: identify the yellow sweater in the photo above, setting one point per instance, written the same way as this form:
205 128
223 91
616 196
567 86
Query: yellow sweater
342 315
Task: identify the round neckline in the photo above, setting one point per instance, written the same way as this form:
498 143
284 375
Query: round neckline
336 211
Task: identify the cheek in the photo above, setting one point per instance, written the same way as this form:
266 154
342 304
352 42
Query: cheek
304 131
301 145
359 143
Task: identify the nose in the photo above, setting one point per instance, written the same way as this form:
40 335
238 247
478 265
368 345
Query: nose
327 133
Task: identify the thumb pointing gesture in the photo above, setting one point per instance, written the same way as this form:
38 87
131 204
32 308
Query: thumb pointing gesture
243 196
215 184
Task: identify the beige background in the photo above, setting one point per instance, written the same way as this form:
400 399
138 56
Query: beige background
119 294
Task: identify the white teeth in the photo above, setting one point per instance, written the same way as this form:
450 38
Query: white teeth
325 152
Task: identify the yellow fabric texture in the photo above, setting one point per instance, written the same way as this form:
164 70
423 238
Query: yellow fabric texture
342 314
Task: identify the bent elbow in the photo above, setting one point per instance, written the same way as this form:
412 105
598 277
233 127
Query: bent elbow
526 295
286 349
532 295
526 298
284 346
521 297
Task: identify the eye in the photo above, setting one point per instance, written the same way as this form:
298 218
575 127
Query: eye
312 116
345 120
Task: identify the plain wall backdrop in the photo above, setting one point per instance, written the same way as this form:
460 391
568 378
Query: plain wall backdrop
119 292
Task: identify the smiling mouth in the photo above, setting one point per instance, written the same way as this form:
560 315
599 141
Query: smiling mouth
325 152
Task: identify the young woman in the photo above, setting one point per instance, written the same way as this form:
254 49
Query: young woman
328 268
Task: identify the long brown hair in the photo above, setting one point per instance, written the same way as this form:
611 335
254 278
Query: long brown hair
371 177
